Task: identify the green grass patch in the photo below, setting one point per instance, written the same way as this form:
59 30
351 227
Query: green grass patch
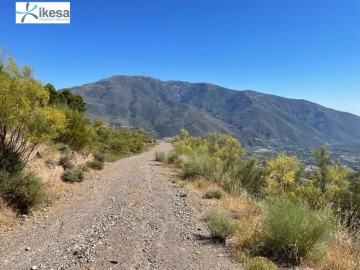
293 230
73 175
221 224
261 263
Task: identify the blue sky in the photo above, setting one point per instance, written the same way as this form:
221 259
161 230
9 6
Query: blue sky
307 49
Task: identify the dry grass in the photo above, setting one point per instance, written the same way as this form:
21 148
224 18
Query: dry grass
50 172
7 216
344 253
241 206
202 183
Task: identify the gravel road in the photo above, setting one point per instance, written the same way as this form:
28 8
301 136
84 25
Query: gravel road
129 216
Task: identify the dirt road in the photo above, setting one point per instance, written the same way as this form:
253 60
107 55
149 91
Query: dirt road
129 217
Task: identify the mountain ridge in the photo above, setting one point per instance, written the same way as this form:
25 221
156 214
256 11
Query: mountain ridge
164 107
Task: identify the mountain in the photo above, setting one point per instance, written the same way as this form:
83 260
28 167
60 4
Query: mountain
164 107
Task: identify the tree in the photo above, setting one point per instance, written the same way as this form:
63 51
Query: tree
322 157
65 97
53 94
74 102
26 118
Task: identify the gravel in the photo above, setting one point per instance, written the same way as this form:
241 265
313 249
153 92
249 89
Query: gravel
129 216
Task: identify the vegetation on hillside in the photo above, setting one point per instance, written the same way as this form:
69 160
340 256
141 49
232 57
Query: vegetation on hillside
286 214
32 114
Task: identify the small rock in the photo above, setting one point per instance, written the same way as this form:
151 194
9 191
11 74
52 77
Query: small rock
34 267
114 262
27 249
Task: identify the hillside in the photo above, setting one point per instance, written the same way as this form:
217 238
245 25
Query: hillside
164 107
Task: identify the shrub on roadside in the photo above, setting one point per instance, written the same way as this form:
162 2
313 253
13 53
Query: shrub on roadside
79 132
84 168
21 191
11 162
171 157
198 165
214 194
160 156
65 162
73 175
99 156
293 230
63 148
261 263
221 224
95 165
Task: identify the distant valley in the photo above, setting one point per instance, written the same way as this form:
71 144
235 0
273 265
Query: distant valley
164 107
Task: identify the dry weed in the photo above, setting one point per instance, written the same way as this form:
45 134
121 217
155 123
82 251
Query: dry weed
7 215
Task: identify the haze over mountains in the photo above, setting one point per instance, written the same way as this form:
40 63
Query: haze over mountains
164 107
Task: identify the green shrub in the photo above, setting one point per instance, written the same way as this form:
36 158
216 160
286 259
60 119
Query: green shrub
248 176
78 133
73 175
63 148
65 162
214 194
22 191
118 142
84 168
111 158
171 157
160 156
293 230
198 165
261 263
11 162
95 165
99 156
350 204
221 224
50 163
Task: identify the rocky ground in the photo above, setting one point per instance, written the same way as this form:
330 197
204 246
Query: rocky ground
129 216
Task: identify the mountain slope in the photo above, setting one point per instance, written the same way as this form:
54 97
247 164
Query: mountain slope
255 118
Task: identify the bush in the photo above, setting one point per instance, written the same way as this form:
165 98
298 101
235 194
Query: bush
118 142
111 158
160 156
293 230
65 162
214 194
198 165
63 148
350 204
221 224
21 191
73 175
261 263
11 162
95 165
99 156
171 157
26 117
79 132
